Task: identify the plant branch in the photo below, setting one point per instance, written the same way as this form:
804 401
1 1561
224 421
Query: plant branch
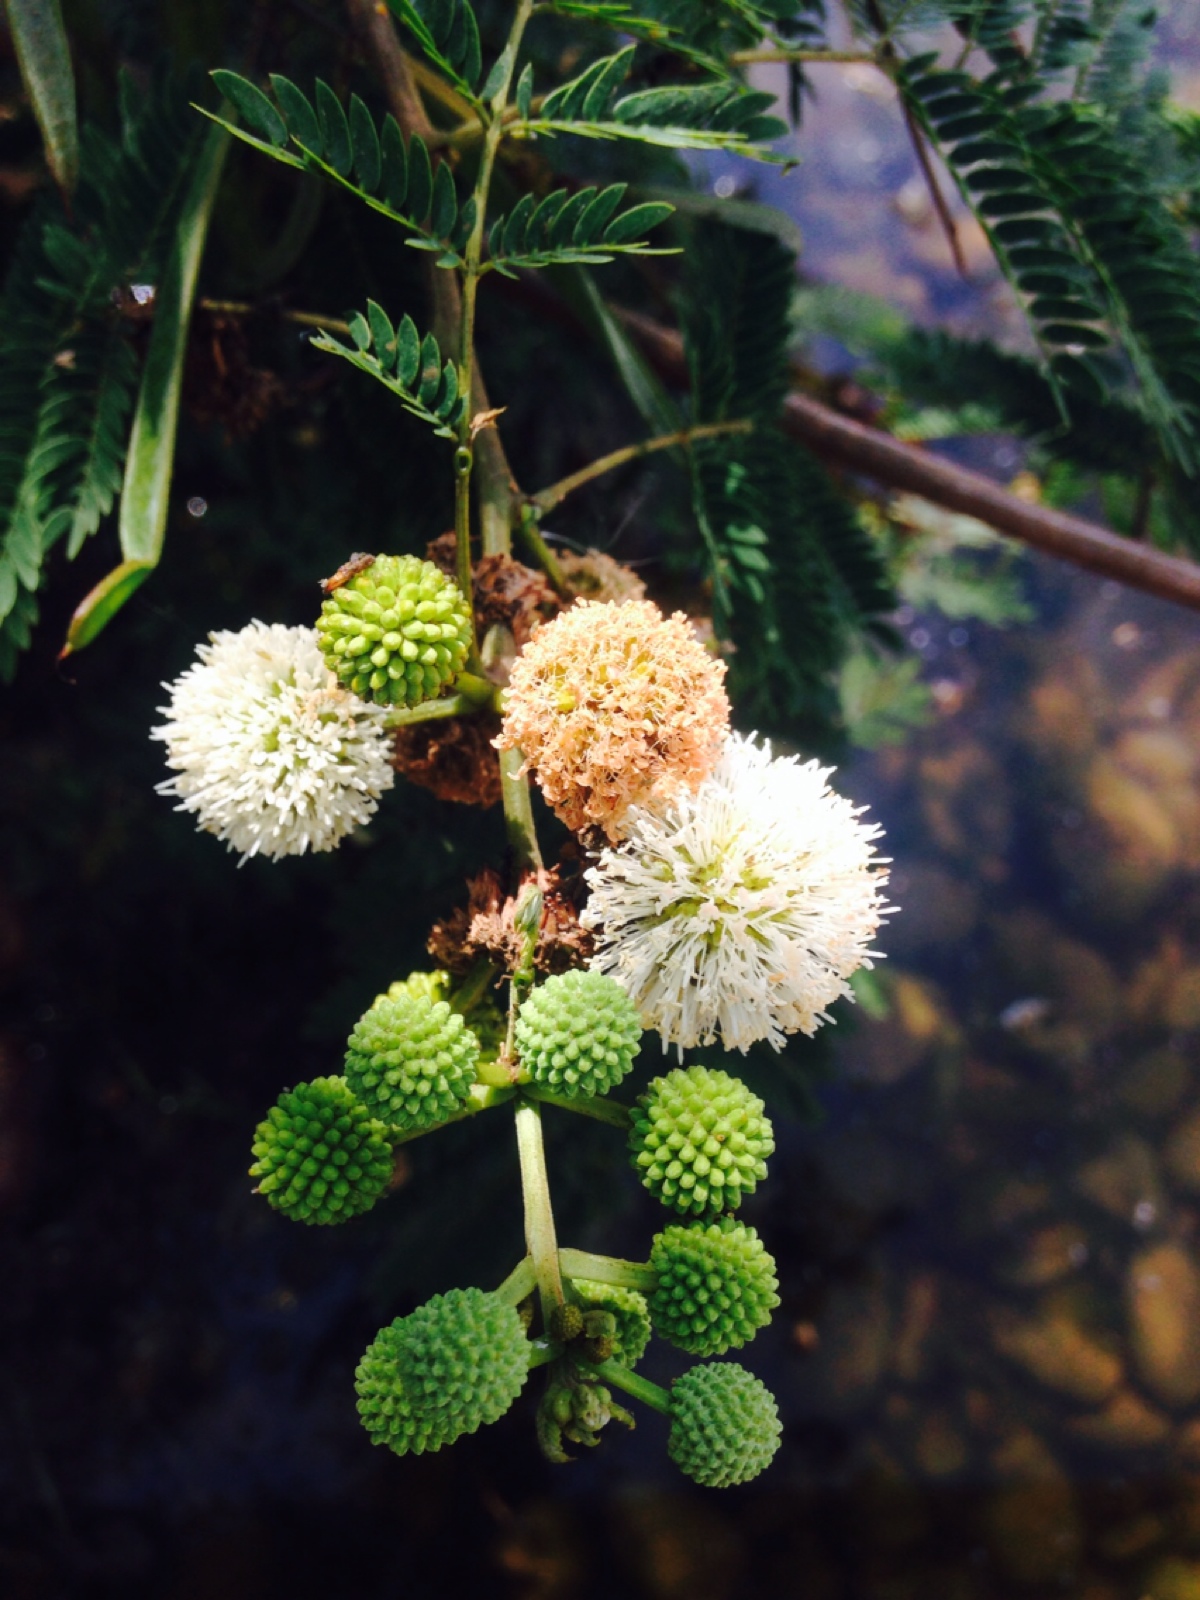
244 308
539 1216
585 1105
751 58
522 1280
546 499
940 205
650 1394
607 1269
840 441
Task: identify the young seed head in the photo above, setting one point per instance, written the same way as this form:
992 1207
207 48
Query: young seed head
453 1365
319 1155
578 1033
716 1286
700 1140
725 1426
411 1060
397 633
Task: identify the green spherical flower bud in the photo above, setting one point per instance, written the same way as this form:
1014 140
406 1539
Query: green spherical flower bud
420 985
456 1363
716 1286
397 632
629 1312
725 1426
578 1033
485 1018
411 1061
319 1154
700 1140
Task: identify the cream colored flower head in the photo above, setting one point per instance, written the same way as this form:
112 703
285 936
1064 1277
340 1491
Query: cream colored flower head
737 912
612 703
269 753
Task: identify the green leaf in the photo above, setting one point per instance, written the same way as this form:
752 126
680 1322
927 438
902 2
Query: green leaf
301 118
365 144
395 164
524 94
44 58
420 179
637 220
335 130
444 205
101 603
148 467
408 361
260 115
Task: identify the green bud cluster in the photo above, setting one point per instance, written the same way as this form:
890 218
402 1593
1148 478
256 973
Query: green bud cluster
700 1140
725 1426
319 1155
397 633
630 1317
716 1286
578 1033
455 1364
420 986
411 1060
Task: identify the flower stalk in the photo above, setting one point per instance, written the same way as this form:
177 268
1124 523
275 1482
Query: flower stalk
539 1216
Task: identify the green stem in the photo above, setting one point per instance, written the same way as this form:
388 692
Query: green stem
518 812
539 1216
543 1351
608 1269
481 1097
650 1394
542 552
546 499
454 705
587 1105
472 256
522 1280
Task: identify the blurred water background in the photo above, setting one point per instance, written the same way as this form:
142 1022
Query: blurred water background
988 1355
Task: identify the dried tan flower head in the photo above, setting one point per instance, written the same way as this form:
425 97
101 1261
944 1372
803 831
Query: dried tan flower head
611 703
487 925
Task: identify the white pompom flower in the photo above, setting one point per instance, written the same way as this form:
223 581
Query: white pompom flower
738 910
269 753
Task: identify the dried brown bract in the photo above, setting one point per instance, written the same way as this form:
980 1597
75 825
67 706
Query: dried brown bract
508 592
453 757
596 576
487 926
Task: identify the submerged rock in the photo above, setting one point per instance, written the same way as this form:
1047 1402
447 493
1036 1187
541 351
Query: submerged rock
1162 1291
1054 1348
1032 1523
1126 1422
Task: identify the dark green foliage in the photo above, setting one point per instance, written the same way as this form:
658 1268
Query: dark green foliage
792 569
395 178
448 32
720 114
67 365
564 229
1111 284
411 367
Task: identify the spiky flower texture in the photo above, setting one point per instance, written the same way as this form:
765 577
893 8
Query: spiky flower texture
611 702
578 1033
725 1426
716 1286
700 1140
397 632
453 1365
411 1060
319 1155
739 910
268 752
